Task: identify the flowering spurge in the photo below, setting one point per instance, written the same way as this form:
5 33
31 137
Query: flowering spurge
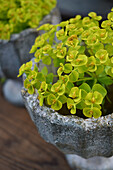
83 55
17 15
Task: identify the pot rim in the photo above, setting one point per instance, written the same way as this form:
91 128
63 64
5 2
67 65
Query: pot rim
70 120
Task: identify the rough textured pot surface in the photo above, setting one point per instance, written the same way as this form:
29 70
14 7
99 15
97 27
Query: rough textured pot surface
15 52
94 163
71 134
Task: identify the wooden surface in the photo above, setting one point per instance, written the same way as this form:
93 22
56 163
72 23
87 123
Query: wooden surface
21 147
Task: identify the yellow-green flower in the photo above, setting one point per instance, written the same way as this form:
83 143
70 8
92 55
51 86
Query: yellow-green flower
93 98
102 55
75 93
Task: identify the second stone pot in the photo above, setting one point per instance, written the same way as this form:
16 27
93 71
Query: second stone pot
15 52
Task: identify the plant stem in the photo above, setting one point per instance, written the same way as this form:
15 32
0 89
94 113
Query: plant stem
90 74
85 79
56 76
95 80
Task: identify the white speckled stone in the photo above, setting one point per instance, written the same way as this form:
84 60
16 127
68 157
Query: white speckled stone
71 134
12 92
94 163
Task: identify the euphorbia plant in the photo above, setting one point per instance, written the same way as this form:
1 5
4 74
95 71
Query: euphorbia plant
83 55
17 15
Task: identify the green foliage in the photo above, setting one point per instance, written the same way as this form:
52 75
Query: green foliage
17 15
84 57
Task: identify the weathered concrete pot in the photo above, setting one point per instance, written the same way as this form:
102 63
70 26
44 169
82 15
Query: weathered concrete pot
71 134
15 52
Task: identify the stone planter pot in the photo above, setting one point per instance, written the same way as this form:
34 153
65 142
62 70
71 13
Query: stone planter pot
71 134
74 136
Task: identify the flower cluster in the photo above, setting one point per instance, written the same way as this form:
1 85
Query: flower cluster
17 15
83 55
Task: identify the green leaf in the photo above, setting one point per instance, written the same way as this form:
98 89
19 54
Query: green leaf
67 68
46 60
81 105
93 98
61 90
61 35
99 69
73 110
109 49
40 76
51 98
96 113
87 112
105 80
98 97
33 49
70 103
25 68
49 87
49 78
57 61
62 52
83 93
64 23
91 64
85 34
69 85
37 84
100 89
98 106
80 60
58 88
109 71
35 68
97 47
45 27
41 100
26 83
44 71
60 70
81 50
102 55
85 87
31 90
62 99
57 105
75 93
64 78
82 69
71 55
43 87
73 77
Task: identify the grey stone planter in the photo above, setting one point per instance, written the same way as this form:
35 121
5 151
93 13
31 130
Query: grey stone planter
15 52
71 134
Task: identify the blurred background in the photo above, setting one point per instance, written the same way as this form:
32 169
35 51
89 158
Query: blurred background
70 8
